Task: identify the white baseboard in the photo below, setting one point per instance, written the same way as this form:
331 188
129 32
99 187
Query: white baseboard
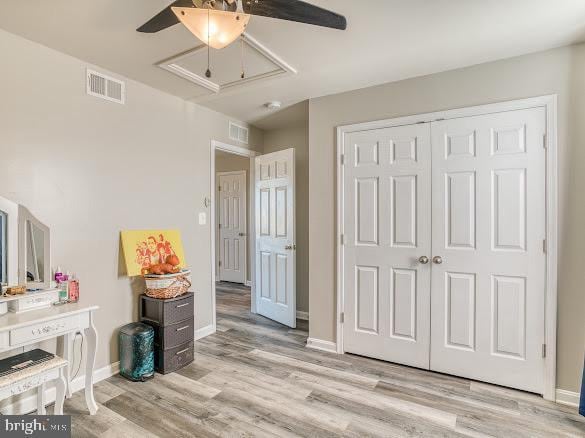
204 332
318 344
29 403
568 398
302 315
249 283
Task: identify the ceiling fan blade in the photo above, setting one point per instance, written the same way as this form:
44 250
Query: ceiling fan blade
295 10
165 18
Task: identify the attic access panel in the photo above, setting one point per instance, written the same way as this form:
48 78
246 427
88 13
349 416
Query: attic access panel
226 65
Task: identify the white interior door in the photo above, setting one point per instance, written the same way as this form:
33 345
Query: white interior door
488 230
387 234
232 226
275 236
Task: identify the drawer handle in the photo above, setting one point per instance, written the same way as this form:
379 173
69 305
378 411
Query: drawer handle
183 328
182 351
182 305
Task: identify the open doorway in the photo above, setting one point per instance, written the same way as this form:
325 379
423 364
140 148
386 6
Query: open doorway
233 226
253 233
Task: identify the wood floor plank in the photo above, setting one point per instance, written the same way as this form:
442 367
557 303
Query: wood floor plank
318 369
105 391
127 429
234 374
281 405
162 421
85 425
370 398
450 400
287 421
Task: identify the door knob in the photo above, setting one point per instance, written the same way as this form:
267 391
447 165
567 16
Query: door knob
437 260
290 247
423 260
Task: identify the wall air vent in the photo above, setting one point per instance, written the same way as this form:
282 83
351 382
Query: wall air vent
239 133
105 87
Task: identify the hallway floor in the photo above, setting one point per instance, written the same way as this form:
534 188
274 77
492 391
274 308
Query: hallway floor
255 377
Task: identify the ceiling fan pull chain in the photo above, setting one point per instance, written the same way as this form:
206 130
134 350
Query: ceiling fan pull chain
243 47
208 72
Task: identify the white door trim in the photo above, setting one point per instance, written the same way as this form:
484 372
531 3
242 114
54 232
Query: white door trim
550 104
236 150
246 219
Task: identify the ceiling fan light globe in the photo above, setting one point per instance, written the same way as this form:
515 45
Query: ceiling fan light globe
224 27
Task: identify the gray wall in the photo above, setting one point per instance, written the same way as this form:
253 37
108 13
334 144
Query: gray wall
297 137
89 168
558 71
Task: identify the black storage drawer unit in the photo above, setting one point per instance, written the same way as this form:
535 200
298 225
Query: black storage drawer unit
172 335
173 359
174 328
165 312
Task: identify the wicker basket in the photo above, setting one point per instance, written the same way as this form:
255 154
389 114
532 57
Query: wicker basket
168 286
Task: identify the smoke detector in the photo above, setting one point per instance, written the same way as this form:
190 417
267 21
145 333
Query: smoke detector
274 105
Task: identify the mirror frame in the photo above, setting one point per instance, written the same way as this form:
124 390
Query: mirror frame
24 216
11 209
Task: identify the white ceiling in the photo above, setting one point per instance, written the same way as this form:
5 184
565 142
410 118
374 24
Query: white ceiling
386 40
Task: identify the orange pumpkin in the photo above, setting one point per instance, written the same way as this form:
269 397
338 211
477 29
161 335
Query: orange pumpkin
173 260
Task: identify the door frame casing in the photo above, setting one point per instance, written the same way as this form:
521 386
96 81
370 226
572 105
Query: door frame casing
246 226
243 152
549 102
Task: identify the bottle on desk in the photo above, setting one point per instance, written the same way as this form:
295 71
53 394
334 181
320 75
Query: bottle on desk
63 286
73 289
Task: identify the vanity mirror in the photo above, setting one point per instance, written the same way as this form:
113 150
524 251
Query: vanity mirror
9 242
24 248
34 240
3 238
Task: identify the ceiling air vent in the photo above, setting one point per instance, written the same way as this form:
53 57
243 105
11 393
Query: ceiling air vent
105 87
239 133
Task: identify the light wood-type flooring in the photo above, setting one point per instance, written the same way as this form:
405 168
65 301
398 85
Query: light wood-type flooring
255 377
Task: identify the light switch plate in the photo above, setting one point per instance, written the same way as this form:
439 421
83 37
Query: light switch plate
202 218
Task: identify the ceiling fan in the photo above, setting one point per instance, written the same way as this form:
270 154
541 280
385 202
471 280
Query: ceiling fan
220 22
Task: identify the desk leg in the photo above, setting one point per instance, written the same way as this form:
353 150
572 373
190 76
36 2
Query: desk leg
41 400
68 355
91 337
65 349
60 386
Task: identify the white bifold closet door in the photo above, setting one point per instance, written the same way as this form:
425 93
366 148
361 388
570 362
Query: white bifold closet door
488 299
387 229
444 225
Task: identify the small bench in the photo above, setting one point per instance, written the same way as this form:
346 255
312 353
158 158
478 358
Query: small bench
36 377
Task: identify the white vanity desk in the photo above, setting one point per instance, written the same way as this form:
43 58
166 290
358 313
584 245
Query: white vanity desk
23 329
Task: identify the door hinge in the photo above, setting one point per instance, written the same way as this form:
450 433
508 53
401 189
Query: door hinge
219 189
342 317
219 226
342 239
544 141
543 350
342 158
544 246
220 263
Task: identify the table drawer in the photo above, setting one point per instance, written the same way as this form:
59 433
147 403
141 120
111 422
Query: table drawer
40 331
165 312
168 361
173 335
